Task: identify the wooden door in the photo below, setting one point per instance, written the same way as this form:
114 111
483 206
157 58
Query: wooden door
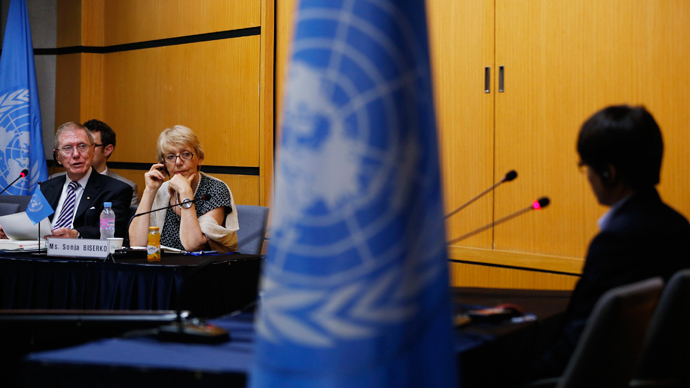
564 60
461 35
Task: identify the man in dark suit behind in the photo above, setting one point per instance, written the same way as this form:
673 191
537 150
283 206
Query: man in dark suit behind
621 148
74 149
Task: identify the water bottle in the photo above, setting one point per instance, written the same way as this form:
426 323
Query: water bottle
107 221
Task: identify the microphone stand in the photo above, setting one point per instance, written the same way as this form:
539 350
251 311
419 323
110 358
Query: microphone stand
125 246
507 178
193 331
536 205
22 175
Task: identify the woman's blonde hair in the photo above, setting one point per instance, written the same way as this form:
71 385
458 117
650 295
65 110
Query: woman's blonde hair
179 136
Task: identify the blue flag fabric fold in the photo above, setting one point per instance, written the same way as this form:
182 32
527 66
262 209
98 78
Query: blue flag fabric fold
355 291
21 138
39 207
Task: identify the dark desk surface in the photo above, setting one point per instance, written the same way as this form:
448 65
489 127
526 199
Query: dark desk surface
144 361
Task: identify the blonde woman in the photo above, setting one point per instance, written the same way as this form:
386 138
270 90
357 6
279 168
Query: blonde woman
191 226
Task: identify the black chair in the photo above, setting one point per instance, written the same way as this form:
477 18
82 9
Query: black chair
9 208
21 200
610 345
665 360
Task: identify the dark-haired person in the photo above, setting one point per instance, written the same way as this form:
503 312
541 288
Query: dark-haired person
640 237
105 140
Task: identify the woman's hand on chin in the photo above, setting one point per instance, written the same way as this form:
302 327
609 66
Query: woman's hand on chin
182 185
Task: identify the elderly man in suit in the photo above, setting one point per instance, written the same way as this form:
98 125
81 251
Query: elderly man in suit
104 145
78 196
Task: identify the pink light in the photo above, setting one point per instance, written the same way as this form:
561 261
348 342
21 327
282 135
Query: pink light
536 205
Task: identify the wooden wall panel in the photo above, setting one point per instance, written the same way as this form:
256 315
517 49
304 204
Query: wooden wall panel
266 99
69 26
477 275
467 275
285 19
464 110
93 22
210 87
92 91
564 61
538 116
130 21
67 89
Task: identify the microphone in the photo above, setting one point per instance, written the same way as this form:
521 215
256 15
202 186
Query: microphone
192 330
22 174
536 205
203 198
512 174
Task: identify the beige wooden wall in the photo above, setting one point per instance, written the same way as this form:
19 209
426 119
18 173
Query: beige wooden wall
143 66
563 60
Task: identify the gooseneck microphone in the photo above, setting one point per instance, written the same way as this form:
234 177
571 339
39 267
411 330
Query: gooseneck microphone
194 330
512 174
536 205
203 198
22 174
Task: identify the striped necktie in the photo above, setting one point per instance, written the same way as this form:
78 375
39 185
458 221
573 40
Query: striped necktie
67 212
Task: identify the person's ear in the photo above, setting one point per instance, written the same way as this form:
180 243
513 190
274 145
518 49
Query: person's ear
608 175
56 157
108 149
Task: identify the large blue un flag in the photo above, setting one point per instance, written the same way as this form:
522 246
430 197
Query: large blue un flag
355 291
21 142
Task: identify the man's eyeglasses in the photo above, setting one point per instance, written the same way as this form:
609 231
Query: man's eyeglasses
185 156
98 145
68 150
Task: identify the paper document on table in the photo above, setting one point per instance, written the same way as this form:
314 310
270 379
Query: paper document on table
20 245
18 226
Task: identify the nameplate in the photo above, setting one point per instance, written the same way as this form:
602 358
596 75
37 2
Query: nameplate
77 247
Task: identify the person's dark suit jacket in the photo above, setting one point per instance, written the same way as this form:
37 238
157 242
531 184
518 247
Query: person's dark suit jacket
99 188
644 238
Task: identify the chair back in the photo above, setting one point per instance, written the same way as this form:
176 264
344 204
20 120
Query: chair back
21 200
253 222
9 208
665 359
612 340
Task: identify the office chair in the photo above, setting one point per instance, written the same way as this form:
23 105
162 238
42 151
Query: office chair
253 222
21 200
665 359
7 208
611 342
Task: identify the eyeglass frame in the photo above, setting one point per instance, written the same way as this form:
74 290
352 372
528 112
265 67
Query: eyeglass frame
173 161
68 150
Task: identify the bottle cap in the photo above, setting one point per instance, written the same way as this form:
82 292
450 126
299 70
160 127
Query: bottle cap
153 228
107 204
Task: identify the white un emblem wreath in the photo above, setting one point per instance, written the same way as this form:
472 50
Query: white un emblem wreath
14 139
337 270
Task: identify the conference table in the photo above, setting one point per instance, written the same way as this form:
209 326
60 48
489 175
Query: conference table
208 286
489 354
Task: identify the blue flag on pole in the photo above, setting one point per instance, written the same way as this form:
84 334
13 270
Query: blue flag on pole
355 291
21 141
39 207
